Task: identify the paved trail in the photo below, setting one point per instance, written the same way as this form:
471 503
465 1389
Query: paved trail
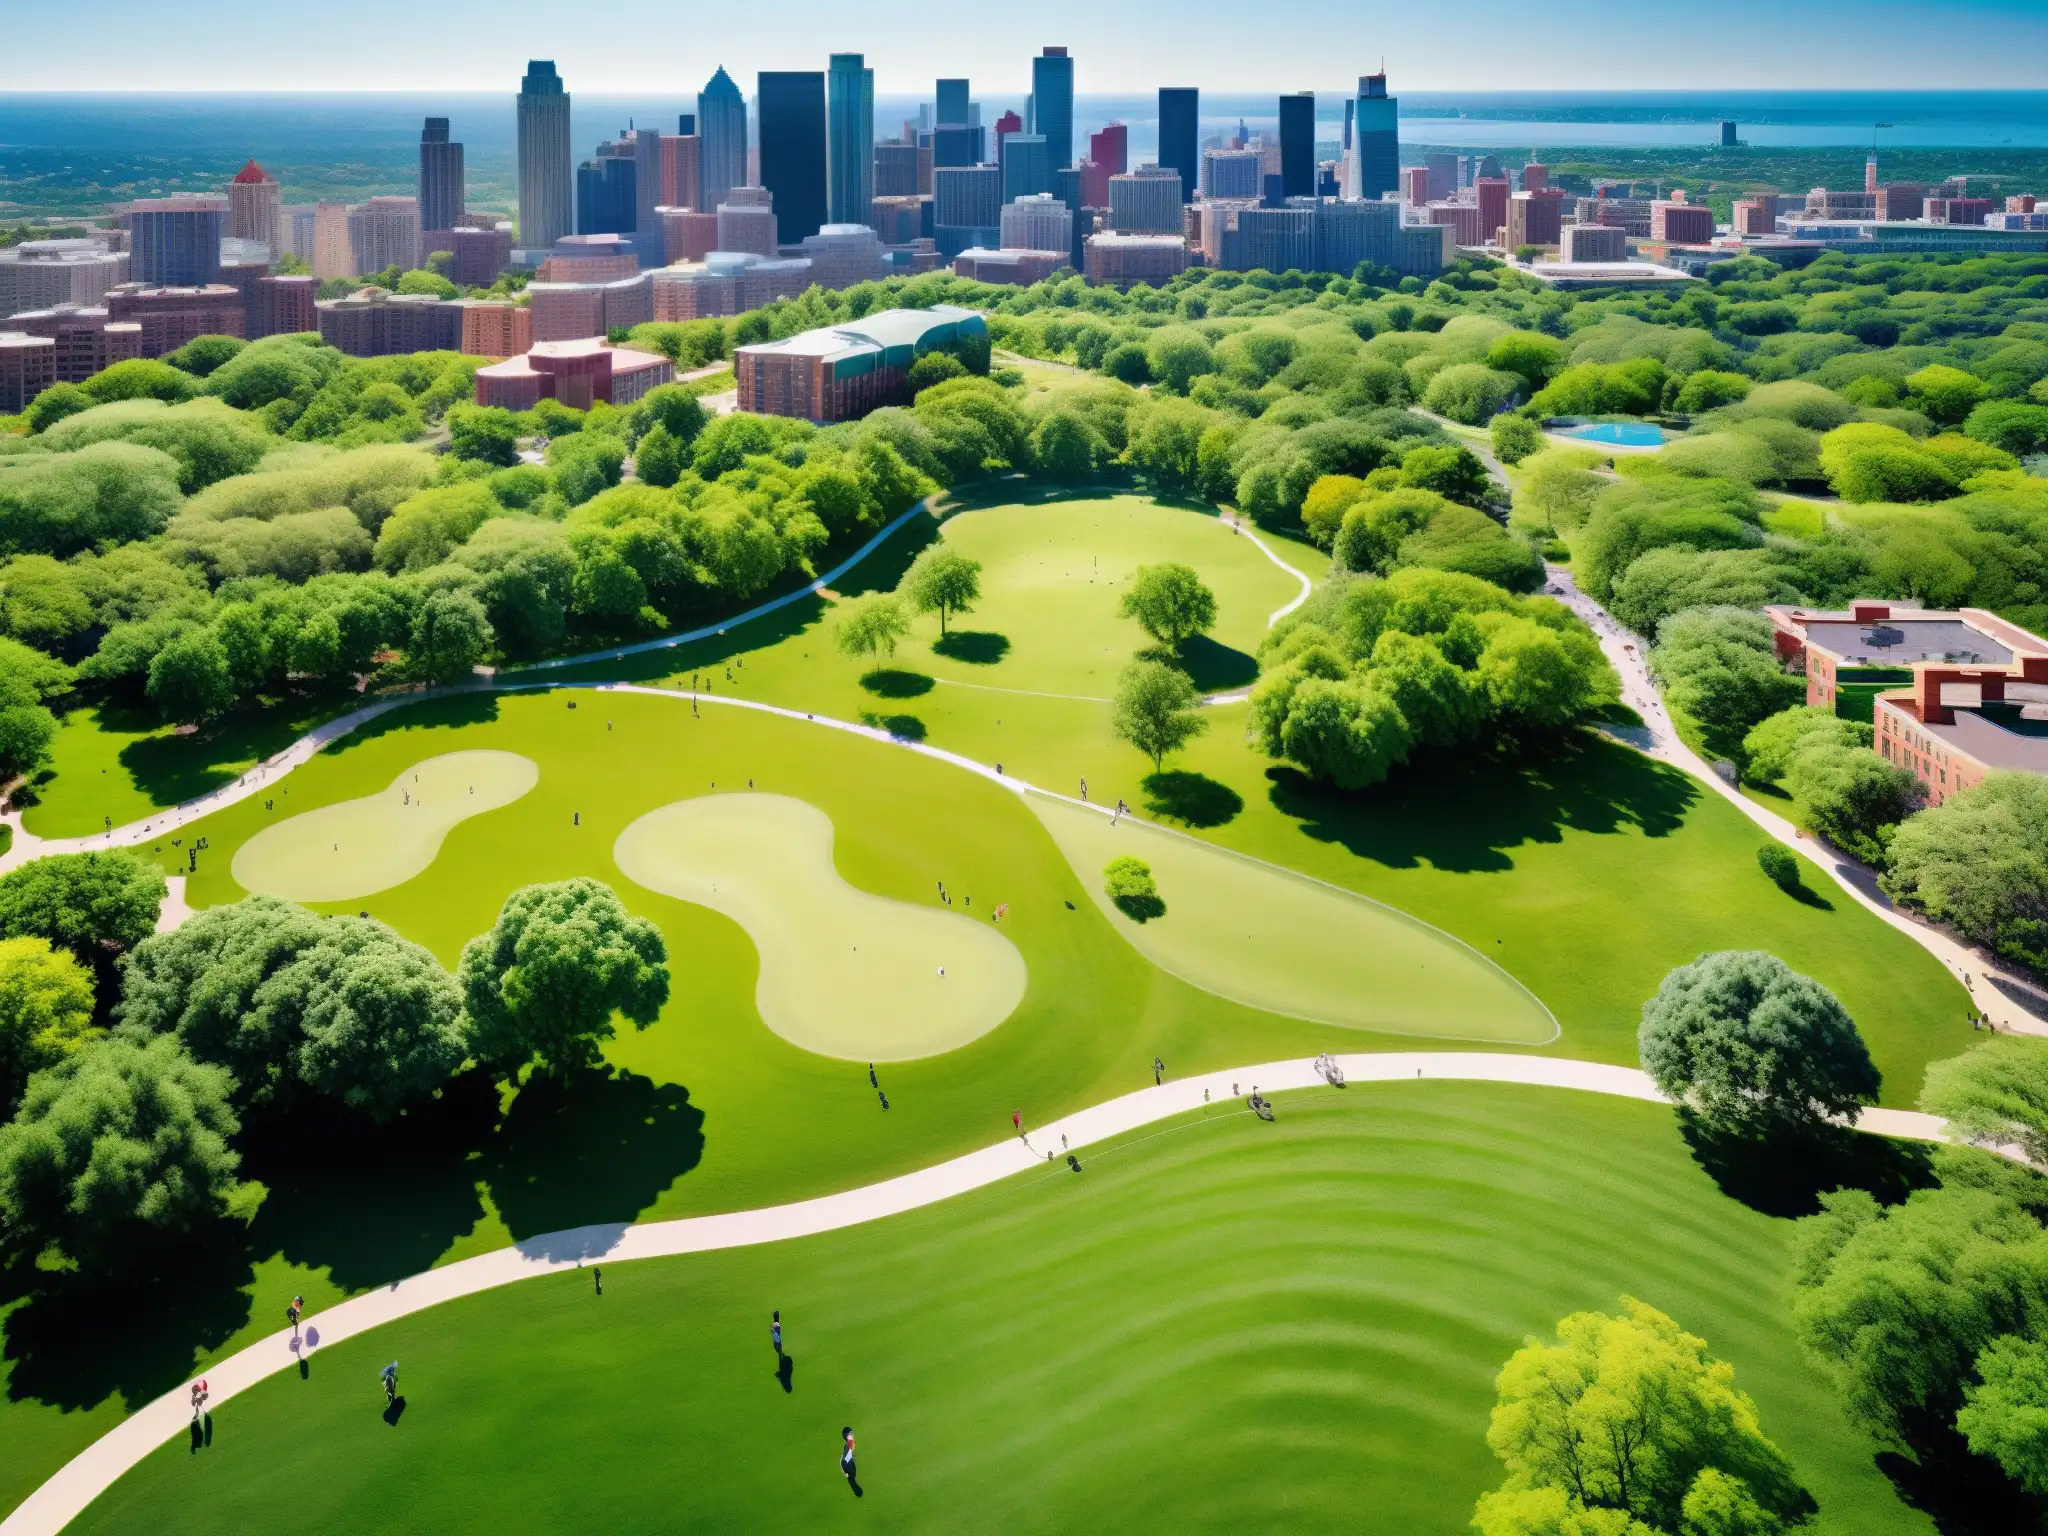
94 1470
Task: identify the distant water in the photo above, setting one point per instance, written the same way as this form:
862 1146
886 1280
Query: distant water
371 127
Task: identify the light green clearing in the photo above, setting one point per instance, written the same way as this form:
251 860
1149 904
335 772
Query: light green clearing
1269 938
844 972
359 847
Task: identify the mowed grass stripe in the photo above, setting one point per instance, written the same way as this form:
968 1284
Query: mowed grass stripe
1233 1326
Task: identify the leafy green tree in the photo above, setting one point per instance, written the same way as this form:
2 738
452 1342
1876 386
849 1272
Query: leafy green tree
1176 356
1529 355
1450 471
1753 1047
46 1002
1979 861
52 405
1170 603
1128 883
203 354
189 680
1774 742
1995 1094
1471 393
116 1143
672 408
485 434
1717 666
1623 1427
450 635
27 728
1710 389
934 368
658 459
2012 425
96 905
1853 797
544 983
1780 863
872 626
1155 709
1946 394
1128 363
1064 446
2005 1415
427 283
140 378
942 581
1558 491
1515 438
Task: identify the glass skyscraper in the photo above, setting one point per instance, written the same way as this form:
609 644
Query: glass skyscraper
850 137
791 104
1179 135
1376 141
1052 104
722 126
440 177
547 197
1298 145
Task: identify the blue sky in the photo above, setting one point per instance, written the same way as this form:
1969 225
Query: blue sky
666 45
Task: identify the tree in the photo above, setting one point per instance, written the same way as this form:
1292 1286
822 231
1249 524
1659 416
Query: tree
872 625
1127 362
934 368
1751 1046
1979 860
189 679
1773 743
1471 393
2005 1413
1451 472
1515 438
942 581
1065 446
45 1012
1176 356
117 1142
1631 1415
2013 425
485 434
55 403
450 635
1170 603
1781 864
1128 883
203 354
543 984
1155 710
96 905
658 458
1853 797
1995 1094
1710 388
1946 394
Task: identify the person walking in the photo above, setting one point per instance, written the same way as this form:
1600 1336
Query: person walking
1017 1121
597 1277
775 1330
389 1376
1158 1071
873 1081
198 1398
846 1452
293 1312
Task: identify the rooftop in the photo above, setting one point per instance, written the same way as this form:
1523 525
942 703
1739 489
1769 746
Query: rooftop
2012 735
1894 635
251 175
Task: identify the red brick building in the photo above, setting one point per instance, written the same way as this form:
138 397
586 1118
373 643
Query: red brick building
842 372
170 317
576 373
85 338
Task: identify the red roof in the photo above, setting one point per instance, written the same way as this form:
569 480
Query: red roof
250 174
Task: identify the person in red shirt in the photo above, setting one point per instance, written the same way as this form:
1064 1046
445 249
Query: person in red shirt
846 1452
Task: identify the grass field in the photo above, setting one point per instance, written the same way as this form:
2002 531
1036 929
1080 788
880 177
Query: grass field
1221 1326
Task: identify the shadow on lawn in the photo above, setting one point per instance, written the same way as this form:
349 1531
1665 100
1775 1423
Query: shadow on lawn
896 683
1214 667
975 647
1466 815
1786 1175
1963 1494
1192 799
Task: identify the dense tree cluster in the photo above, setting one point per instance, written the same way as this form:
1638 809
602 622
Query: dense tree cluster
1372 673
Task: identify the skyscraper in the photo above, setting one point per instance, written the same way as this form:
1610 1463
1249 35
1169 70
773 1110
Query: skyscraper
791 105
1298 145
174 242
547 184
607 195
722 125
440 177
645 147
256 209
1027 166
952 108
1376 157
1052 104
1179 138
850 137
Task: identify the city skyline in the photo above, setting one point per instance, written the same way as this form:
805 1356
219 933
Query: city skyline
1818 44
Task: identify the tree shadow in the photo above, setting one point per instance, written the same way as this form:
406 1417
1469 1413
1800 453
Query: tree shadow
369 1203
83 1336
1140 909
450 712
896 683
171 768
590 1148
1215 667
903 727
1466 814
883 570
975 647
1192 799
1785 1175
1807 896
1963 1494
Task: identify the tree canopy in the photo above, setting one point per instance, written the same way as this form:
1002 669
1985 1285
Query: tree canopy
942 581
1155 709
1170 603
46 1000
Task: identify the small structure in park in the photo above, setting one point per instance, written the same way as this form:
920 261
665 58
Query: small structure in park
573 372
1978 695
841 372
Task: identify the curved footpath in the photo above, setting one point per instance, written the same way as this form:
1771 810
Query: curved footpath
95 1469
1989 987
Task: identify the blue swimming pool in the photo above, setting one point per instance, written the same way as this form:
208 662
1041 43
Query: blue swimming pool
1626 434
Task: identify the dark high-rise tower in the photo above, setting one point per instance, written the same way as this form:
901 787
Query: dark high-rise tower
1052 104
1179 138
791 104
1298 145
850 138
607 193
440 177
722 119
952 107
547 195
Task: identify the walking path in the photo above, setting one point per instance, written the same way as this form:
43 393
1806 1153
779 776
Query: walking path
95 1469
1990 988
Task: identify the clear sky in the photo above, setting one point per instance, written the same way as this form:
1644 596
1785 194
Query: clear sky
1119 45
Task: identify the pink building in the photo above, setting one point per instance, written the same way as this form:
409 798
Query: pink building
1127 259
1681 223
1415 185
1757 215
1008 266
1535 176
496 330
686 234
577 373
1490 193
28 366
1109 154
1466 221
1957 210
83 338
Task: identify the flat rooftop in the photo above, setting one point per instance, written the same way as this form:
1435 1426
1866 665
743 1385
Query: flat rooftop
1902 640
2012 735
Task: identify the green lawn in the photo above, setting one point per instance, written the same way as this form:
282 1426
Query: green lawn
1219 1326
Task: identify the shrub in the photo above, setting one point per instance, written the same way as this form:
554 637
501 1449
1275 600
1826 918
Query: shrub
1780 863
1515 438
1128 883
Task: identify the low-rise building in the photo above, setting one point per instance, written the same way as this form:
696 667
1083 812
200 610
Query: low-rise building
577 373
482 253
1124 260
686 234
842 372
493 329
40 274
726 283
573 311
1020 267
374 322
1975 698
170 317
85 337
28 366
285 306
1593 242
843 254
